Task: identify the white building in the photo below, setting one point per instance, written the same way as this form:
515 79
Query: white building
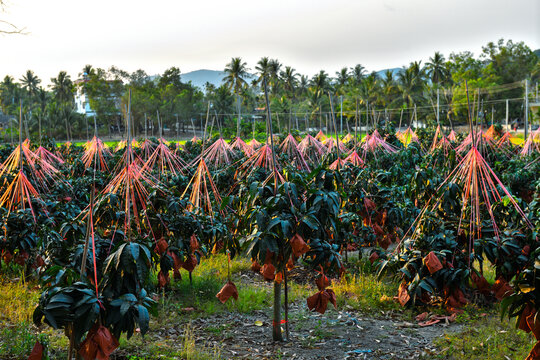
81 100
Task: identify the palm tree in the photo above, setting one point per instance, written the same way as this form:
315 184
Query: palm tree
357 74
408 85
320 84
321 81
263 68
303 85
436 68
30 83
342 77
9 94
42 99
289 77
368 92
290 80
388 89
274 68
87 71
62 87
235 72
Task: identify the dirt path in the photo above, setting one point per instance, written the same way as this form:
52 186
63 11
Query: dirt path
334 335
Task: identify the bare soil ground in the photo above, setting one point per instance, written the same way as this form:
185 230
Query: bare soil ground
335 335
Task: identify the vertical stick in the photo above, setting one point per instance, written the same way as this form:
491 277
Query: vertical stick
193 126
507 115
320 116
206 123
356 115
177 127
239 116
145 126
20 138
335 129
129 128
438 106
341 116
39 125
367 117
160 128
469 112
526 109
287 333
276 328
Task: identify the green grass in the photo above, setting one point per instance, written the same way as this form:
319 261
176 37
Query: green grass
482 336
183 347
17 341
208 278
362 290
489 338
17 302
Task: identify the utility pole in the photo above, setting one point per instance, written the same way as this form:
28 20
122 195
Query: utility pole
145 127
367 118
437 106
341 116
507 115
526 109
177 127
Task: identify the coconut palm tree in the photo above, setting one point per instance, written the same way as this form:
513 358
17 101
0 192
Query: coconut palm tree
30 83
409 83
357 74
263 68
235 73
87 71
321 81
42 98
303 85
342 77
389 89
436 68
10 93
274 69
289 77
62 87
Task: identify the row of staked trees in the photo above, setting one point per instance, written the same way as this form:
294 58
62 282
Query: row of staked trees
396 95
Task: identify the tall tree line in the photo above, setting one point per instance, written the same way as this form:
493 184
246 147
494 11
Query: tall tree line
398 95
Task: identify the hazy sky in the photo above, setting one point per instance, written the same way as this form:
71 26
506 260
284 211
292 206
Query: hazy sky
309 35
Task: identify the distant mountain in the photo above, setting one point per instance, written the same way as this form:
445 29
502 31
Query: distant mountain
381 73
200 77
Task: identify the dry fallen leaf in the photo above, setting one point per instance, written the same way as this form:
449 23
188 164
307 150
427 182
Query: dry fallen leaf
258 323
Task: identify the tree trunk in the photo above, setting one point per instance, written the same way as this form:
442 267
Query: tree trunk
238 112
67 128
276 324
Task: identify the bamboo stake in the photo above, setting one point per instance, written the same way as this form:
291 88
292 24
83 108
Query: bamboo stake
335 129
276 328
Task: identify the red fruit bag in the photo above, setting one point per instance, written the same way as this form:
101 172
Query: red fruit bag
228 290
